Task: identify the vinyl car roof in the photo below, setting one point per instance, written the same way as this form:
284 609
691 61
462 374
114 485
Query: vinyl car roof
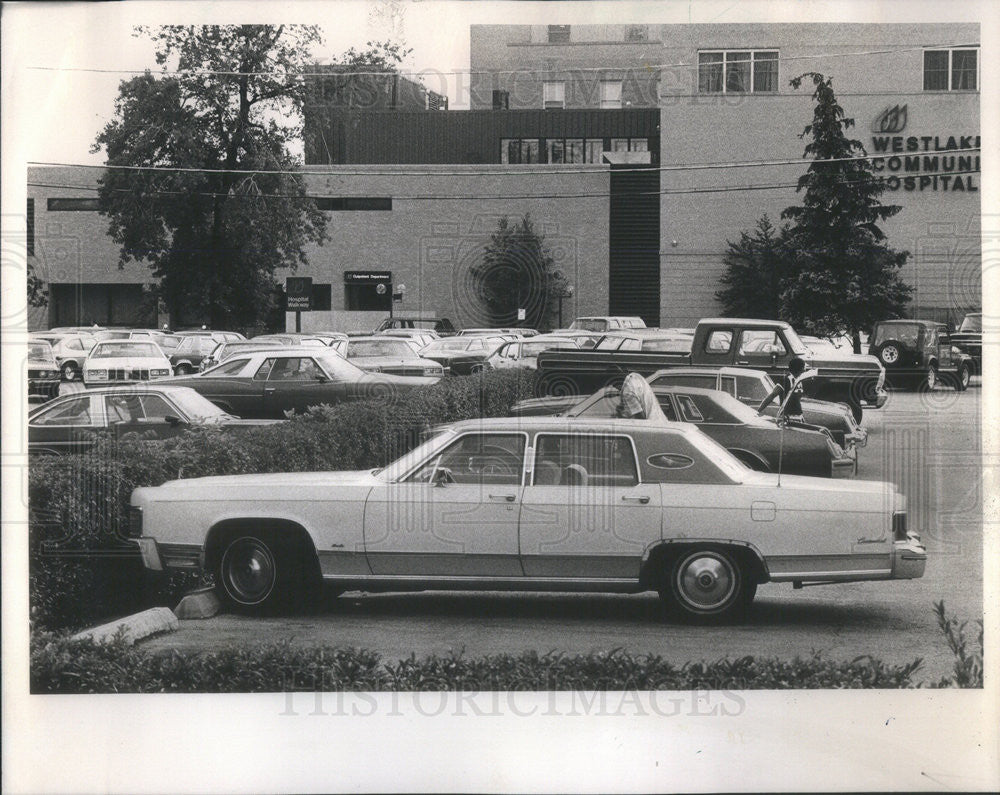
567 424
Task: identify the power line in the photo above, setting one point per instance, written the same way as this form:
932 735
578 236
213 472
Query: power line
428 72
551 169
471 197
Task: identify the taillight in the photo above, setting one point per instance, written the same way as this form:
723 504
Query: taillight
134 521
899 525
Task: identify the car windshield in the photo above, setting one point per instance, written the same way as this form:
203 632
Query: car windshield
401 466
124 350
972 323
41 351
338 367
452 344
394 348
610 343
198 408
906 333
169 342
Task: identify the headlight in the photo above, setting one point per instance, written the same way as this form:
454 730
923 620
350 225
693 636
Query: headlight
97 375
158 373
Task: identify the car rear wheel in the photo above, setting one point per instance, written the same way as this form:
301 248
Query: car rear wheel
708 585
930 380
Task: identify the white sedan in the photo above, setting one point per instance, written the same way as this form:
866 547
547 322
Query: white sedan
533 504
124 362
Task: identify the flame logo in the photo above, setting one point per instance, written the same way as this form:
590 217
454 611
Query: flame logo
890 120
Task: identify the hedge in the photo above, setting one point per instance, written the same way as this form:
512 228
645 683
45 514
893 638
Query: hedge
80 569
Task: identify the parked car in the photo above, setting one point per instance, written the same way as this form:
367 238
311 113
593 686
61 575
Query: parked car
293 339
380 354
220 336
441 325
417 338
463 355
124 361
969 339
223 350
268 382
758 441
72 423
524 353
190 352
752 386
915 355
43 371
647 340
551 504
606 323
70 350
112 334
512 331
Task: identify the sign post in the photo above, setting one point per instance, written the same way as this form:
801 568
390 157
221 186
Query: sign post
298 297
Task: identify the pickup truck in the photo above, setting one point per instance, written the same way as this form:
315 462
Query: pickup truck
768 345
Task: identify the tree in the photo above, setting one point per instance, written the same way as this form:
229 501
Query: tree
841 275
516 272
753 276
201 183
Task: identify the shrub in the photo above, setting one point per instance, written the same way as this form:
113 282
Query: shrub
968 670
61 665
81 569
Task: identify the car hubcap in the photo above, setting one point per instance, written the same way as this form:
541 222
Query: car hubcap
890 355
706 581
931 378
248 570
965 377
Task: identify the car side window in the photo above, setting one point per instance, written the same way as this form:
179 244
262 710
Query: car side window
699 381
751 389
293 369
234 367
155 408
75 345
72 412
478 458
761 341
689 411
584 460
729 385
719 341
264 370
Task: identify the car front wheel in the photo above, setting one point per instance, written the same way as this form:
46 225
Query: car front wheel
70 371
963 378
930 380
708 586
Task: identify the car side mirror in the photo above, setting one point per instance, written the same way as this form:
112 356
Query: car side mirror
170 419
442 477
322 379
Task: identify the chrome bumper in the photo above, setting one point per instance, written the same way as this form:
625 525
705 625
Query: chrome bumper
909 558
844 467
881 397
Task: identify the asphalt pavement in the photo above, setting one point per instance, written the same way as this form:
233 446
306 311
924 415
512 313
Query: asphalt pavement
929 445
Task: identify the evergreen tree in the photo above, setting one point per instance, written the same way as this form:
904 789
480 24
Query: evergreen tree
753 277
841 275
516 272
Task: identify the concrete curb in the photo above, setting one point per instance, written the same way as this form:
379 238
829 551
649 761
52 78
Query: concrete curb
136 627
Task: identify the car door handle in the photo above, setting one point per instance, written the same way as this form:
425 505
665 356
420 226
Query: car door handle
269 389
504 497
743 361
643 499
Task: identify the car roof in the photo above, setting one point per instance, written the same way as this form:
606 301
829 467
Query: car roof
708 370
746 322
905 321
579 424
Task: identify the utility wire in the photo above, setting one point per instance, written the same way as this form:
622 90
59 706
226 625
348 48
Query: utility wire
469 197
346 70
551 169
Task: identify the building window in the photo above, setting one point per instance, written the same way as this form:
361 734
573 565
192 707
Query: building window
593 150
738 72
629 144
611 93
565 150
501 100
30 228
321 297
951 70
349 203
57 205
636 33
554 94
558 34
520 150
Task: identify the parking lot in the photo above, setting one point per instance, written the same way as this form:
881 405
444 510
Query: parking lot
929 445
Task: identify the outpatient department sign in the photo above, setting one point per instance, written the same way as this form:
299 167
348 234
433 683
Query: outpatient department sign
946 163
